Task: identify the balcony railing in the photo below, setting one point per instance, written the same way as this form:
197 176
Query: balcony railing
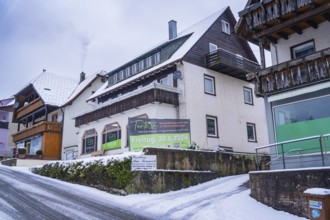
4 124
30 107
307 70
230 64
270 10
42 127
151 93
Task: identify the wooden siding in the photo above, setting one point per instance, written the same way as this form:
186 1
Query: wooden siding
214 35
150 96
32 106
40 128
51 146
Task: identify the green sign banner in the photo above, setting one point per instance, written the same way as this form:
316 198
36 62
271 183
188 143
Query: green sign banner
113 141
158 133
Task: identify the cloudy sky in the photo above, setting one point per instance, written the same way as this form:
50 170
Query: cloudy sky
70 36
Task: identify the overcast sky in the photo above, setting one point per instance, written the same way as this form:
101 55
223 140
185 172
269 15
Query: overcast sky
70 36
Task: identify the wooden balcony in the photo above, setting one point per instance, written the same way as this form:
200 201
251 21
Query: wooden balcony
272 20
149 94
40 128
32 106
295 73
230 64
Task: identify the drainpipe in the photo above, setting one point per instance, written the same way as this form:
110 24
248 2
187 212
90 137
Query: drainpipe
62 131
276 54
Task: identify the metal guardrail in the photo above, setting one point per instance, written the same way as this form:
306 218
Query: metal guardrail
282 154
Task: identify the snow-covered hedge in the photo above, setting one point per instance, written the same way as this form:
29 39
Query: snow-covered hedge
111 174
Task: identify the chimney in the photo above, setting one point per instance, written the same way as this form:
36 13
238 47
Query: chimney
172 29
82 76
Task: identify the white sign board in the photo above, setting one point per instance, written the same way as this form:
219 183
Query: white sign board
144 162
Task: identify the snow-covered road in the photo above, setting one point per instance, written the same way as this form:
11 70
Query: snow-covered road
220 199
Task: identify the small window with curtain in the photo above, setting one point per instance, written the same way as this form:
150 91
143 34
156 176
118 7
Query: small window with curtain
209 85
212 126
248 97
251 132
225 27
89 141
303 49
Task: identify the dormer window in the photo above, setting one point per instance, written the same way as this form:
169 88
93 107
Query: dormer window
134 68
141 65
121 75
225 27
149 62
127 72
157 57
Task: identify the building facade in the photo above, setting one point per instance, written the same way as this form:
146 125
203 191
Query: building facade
198 74
38 114
296 87
6 113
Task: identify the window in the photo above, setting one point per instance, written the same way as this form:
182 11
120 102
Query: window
248 98
121 75
168 80
212 126
115 78
127 72
89 141
141 65
157 57
209 86
149 62
302 50
54 117
134 68
111 138
251 132
212 47
225 27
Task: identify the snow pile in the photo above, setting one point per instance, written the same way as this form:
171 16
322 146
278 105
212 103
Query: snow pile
318 191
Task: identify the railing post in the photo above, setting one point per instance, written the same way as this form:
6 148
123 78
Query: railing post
321 148
257 161
283 159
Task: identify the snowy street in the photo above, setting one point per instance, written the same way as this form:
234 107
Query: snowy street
24 195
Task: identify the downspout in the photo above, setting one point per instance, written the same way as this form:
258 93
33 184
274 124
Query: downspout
276 54
62 131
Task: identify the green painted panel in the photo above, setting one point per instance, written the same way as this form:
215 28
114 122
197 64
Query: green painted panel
180 140
301 130
112 145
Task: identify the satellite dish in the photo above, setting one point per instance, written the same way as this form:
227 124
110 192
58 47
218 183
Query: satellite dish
59 118
177 75
16 104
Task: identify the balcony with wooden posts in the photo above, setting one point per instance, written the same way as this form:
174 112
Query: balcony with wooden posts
230 64
271 20
308 70
29 108
152 93
40 128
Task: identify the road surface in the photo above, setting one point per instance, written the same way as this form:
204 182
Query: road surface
25 196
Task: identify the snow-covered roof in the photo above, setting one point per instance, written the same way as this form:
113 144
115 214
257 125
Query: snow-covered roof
54 89
82 86
196 32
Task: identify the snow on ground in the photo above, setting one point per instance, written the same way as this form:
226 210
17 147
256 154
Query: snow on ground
223 198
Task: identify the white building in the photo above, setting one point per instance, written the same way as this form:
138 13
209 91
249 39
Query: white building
198 74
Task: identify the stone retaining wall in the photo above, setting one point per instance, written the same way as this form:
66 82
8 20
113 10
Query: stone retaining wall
224 164
283 190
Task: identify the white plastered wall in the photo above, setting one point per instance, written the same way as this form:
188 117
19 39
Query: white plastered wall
227 105
319 35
